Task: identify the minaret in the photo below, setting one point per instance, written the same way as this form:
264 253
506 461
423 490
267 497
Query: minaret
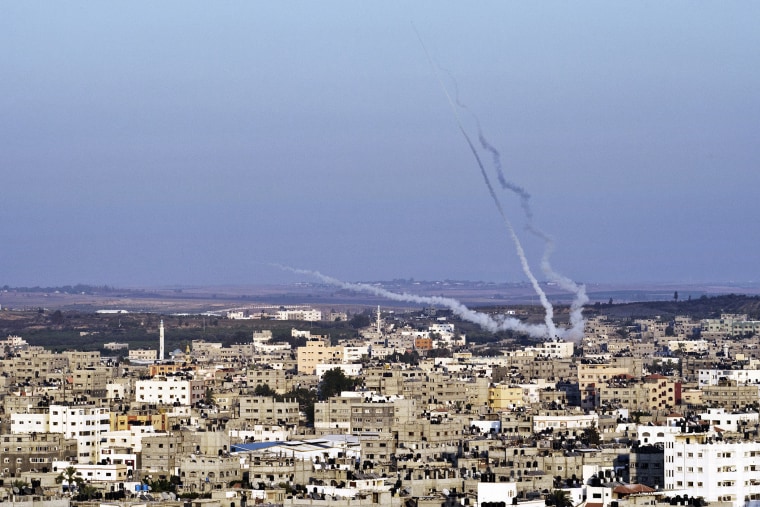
161 341
378 319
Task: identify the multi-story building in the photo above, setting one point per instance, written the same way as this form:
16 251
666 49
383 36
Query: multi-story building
731 324
267 411
730 395
34 452
276 379
121 422
78 359
654 392
716 470
713 377
91 381
201 473
505 397
170 390
143 355
84 423
317 351
592 375
161 452
302 313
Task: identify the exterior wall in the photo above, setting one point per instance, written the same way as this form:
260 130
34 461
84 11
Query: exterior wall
505 397
593 375
647 466
729 395
34 452
84 423
716 471
317 351
267 411
206 473
334 414
169 390
143 355
161 452
564 422
275 379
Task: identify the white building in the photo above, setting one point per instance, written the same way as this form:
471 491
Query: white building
169 390
305 314
143 355
565 422
713 377
716 470
94 472
557 349
85 423
355 354
730 421
349 370
122 447
494 492
688 346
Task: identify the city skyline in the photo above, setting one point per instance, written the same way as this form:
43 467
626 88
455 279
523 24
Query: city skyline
174 144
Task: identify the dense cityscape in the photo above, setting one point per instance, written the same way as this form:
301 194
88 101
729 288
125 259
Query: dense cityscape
379 254
406 411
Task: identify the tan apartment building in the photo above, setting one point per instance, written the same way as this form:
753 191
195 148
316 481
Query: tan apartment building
317 351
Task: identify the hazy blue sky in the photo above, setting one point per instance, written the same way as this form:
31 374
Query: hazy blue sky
152 143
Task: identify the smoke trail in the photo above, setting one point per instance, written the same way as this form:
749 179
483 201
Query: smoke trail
577 323
549 316
500 323
496 157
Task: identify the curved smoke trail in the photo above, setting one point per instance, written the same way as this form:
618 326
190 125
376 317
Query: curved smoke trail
549 316
500 323
579 290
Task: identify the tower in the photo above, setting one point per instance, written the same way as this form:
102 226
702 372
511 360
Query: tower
161 341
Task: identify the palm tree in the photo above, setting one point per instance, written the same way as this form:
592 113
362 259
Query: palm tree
559 498
70 476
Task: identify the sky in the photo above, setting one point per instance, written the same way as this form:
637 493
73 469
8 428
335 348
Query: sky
195 143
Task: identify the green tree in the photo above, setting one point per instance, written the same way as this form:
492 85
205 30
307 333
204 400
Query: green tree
359 321
70 476
56 317
264 390
559 498
333 382
86 492
160 485
590 436
20 484
306 399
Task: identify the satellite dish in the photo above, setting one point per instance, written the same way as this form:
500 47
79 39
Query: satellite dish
445 492
15 490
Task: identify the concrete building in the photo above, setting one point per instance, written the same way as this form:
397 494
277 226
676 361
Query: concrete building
34 452
267 411
317 351
170 390
84 423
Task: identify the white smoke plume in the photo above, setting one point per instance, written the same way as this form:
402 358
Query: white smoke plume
488 322
549 315
577 323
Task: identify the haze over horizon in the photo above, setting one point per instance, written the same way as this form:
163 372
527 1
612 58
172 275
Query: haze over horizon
179 144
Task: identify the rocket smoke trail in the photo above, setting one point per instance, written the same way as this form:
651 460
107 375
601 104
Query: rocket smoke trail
500 323
576 307
549 316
